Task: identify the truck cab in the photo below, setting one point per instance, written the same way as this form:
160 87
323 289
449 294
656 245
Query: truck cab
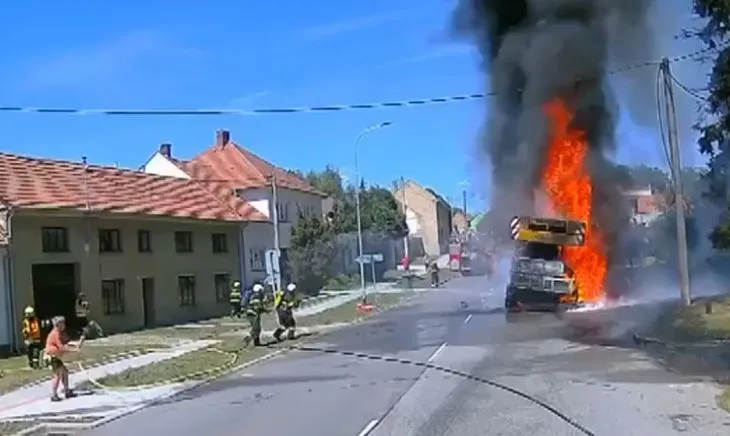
539 278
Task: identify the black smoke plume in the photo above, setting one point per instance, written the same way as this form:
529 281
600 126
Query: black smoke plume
534 51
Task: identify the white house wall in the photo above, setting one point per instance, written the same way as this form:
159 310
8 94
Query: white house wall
5 328
257 238
290 202
162 166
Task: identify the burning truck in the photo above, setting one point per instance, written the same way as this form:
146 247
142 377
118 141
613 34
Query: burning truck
539 277
550 124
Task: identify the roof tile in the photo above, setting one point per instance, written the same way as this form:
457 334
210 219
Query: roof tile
49 184
240 167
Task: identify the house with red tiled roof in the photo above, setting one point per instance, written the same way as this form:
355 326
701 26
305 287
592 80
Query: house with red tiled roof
145 249
250 178
646 205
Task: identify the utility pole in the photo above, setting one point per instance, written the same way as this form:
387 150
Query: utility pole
676 169
275 219
463 200
406 248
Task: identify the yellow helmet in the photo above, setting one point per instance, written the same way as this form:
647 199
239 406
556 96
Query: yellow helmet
29 311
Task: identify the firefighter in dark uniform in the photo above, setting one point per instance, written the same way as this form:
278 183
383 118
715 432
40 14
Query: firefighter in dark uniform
234 298
32 337
88 327
255 307
434 270
285 302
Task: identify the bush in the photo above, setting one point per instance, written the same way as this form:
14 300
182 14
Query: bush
312 253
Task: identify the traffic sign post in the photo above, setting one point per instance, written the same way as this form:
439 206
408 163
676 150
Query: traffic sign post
372 259
273 274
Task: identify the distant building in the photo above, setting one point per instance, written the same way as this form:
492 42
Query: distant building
428 216
460 221
646 205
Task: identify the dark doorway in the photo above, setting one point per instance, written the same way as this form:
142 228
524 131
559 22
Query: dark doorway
148 301
54 291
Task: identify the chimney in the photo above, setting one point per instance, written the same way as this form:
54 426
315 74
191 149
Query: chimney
222 138
166 150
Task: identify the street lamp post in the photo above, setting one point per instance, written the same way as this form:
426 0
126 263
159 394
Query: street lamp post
358 182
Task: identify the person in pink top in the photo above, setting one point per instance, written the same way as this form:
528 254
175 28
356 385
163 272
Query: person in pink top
56 347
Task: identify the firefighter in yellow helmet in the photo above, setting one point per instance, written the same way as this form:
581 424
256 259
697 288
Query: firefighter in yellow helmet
255 307
235 299
32 337
285 302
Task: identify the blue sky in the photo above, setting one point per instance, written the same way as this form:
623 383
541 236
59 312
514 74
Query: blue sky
235 54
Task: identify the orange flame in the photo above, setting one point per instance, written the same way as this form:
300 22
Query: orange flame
569 187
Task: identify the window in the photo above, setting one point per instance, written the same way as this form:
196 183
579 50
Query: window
282 210
222 287
220 243
144 241
110 241
55 239
257 259
186 286
184 242
112 296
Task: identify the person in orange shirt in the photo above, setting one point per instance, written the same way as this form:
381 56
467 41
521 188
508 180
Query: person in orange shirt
56 347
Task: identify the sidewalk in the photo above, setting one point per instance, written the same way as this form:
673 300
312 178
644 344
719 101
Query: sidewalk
34 401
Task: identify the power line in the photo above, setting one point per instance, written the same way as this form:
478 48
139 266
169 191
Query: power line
311 109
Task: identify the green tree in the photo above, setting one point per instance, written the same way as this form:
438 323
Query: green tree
379 210
311 253
328 181
714 125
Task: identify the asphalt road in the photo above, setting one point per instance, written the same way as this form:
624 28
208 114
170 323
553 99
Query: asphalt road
578 364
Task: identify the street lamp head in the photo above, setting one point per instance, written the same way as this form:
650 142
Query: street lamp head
385 124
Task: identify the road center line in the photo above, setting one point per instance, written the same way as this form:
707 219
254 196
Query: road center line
437 352
368 428
468 318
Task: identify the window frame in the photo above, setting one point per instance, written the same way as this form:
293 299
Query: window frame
186 284
185 245
115 241
144 241
222 291
50 238
112 299
255 267
219 243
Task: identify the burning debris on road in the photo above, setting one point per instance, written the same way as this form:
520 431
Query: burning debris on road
551 123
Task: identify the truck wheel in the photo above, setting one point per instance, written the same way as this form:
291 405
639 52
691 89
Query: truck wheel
510 303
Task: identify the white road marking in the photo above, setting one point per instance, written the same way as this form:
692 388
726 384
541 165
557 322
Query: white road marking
437 352
368 428
468 318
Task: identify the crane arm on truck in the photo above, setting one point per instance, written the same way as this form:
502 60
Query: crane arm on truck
548 231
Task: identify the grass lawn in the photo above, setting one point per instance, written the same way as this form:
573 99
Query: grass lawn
692 324
348 312
16 372
208 358
8 428
185 366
